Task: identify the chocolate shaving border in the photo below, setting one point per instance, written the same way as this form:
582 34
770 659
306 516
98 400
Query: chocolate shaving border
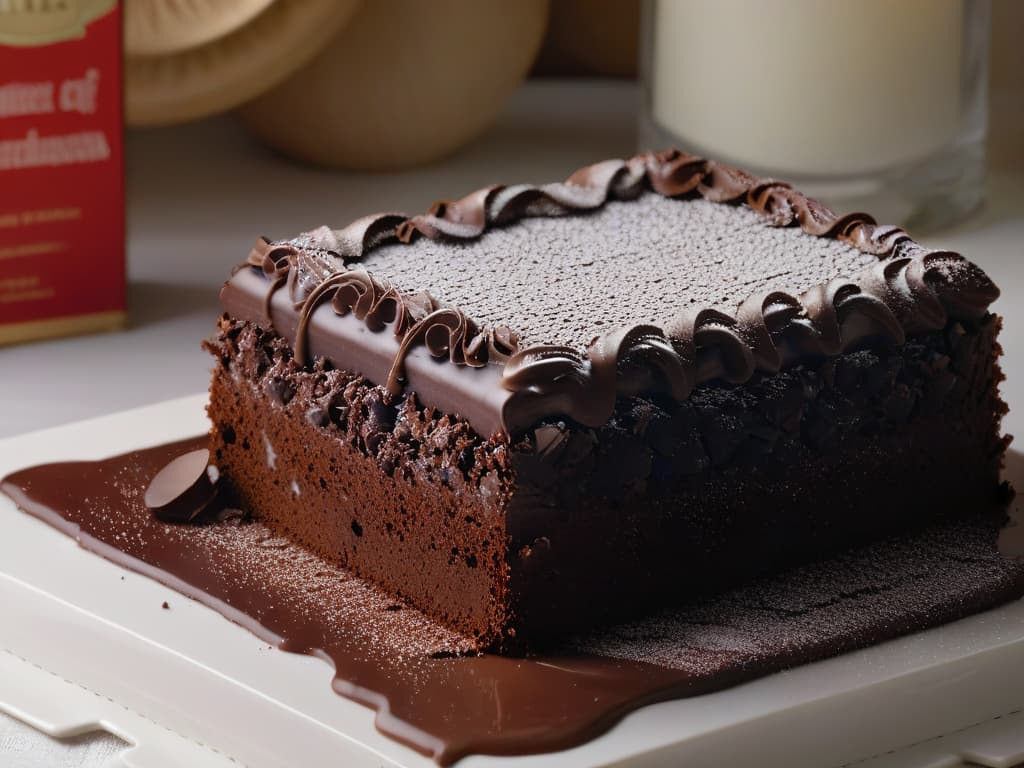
911 289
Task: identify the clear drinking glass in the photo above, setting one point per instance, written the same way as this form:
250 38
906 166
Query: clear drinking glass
876 105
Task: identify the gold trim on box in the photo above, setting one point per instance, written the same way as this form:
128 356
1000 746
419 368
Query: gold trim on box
75 325
29 22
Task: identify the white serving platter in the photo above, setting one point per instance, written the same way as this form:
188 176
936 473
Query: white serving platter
86 645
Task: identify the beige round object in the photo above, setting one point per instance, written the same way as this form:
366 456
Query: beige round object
224 73
405 83
161 27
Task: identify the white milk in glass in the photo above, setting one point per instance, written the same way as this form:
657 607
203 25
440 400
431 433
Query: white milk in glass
862 97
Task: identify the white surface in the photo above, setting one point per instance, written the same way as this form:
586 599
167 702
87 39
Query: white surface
22 746
86 645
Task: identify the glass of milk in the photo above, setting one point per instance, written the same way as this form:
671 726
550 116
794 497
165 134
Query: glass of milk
877 105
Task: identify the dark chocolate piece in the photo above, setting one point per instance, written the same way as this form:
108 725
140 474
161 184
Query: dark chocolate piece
433 697
184 491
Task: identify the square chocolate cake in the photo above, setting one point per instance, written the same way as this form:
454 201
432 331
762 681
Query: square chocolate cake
536 409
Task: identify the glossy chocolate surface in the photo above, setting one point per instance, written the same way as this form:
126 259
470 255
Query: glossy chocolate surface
185 490
446 704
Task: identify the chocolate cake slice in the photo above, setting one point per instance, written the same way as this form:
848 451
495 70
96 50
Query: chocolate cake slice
537 408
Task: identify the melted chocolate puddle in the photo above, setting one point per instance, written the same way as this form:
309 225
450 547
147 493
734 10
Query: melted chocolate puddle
442 703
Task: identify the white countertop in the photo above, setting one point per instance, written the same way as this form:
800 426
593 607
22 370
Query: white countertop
198 195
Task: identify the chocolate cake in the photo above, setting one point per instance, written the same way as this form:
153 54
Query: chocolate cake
537 408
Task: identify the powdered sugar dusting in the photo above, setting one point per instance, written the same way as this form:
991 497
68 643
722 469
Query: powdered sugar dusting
565 280
838 604
322 592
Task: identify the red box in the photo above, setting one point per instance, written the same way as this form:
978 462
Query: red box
62 267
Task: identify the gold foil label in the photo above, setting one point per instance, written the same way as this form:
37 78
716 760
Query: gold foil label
40 22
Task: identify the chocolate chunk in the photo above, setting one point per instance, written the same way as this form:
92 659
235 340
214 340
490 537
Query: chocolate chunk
185 490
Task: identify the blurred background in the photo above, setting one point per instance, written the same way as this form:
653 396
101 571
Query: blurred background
362 85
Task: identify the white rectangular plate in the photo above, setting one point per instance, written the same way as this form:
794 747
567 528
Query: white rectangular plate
86 645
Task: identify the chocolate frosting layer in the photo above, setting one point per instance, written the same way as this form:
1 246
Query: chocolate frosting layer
856 283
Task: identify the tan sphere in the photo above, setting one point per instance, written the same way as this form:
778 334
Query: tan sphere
404 83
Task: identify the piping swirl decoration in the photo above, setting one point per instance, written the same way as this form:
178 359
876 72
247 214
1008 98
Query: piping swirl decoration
911 289
318 276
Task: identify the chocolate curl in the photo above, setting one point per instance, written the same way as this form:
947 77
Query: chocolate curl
560 380
375 302
275 261
323 292
367 233
445 332
549 380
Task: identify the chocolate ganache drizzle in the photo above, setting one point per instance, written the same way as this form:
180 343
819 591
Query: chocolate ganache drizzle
908 289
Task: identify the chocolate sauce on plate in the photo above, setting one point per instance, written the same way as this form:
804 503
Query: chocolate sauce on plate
432 695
